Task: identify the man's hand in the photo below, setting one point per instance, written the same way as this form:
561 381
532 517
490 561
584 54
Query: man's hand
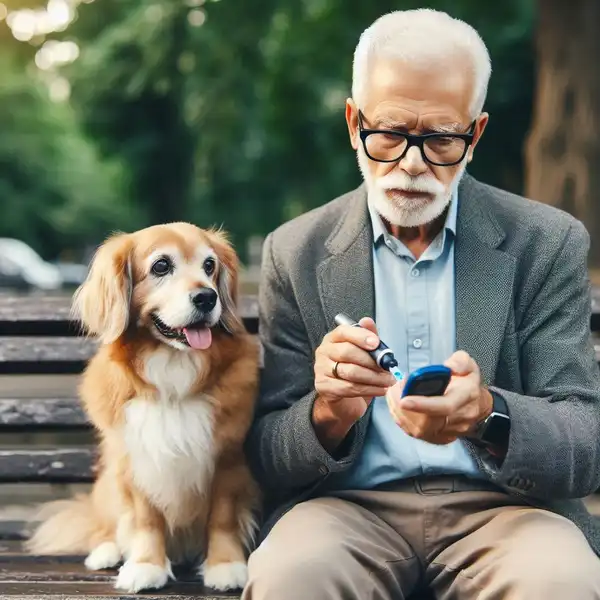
343 400
443 419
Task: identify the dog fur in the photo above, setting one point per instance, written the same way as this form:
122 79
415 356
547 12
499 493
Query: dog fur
172 483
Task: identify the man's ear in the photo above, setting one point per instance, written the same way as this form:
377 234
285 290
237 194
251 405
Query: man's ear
352 122
480 126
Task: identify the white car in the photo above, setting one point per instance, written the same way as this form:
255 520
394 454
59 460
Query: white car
21 264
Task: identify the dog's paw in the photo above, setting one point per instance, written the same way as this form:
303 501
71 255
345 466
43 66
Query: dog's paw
104 556
225 576
134 577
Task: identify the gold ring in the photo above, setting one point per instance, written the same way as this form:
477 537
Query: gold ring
335 370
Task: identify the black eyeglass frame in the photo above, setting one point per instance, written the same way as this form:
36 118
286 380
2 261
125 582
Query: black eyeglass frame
416 140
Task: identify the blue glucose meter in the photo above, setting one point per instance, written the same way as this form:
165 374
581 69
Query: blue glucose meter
431 380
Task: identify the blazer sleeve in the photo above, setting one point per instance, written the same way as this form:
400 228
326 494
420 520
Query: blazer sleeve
284 452
554 444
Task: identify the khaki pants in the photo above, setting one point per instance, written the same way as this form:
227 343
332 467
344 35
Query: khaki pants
465 542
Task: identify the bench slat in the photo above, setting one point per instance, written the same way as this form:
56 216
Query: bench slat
35 465
12 532
42 355
44 568
46 355
595 317
23 575
63 413
58 590
49 315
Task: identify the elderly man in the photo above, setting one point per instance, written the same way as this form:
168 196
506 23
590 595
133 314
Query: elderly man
475 493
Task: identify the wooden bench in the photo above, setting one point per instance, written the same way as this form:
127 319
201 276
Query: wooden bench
46 441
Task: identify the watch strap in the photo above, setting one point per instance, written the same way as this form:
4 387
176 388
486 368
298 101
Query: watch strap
494 430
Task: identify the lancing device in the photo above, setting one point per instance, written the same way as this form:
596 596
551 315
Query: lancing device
382 355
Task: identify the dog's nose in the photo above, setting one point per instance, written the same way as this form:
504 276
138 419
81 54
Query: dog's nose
204 299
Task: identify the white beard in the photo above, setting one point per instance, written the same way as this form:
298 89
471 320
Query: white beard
401 210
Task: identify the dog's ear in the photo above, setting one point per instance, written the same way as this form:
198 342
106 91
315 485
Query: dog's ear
227 283
102 303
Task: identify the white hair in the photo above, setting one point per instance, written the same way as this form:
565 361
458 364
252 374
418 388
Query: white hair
419 36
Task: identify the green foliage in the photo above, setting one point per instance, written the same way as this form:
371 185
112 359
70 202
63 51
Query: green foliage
129 91
54 190
232 112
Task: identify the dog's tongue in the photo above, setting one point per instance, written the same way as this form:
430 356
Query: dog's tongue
198 338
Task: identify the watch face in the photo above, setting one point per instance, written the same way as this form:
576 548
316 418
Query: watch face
497 429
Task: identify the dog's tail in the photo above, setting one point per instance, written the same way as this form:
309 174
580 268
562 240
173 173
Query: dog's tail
64 527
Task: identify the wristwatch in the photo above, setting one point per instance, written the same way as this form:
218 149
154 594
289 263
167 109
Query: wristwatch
494 430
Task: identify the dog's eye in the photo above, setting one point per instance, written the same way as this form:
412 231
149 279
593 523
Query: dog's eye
209 266
161 267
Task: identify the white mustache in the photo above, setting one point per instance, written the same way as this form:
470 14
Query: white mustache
423 185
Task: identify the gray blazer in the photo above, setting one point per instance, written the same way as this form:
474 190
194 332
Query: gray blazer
522 312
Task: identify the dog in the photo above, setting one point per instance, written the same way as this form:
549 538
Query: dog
170 393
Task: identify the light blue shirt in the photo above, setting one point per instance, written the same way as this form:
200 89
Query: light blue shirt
415 316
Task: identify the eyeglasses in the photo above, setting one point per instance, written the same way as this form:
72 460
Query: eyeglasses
440 149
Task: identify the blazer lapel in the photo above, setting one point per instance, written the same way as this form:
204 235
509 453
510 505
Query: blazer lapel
346 276
484 280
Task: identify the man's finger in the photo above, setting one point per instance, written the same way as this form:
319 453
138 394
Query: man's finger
368 323
363 338
340 388
395 391
434 406
406 424
443 439
356 373
346 352
437 406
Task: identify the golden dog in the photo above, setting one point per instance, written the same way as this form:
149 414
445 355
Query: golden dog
171 393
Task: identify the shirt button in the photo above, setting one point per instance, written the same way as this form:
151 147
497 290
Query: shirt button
417 343
415 272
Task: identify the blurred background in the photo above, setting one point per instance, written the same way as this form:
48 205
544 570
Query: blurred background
117 114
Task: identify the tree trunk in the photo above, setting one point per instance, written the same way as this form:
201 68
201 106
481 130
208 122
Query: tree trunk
563 147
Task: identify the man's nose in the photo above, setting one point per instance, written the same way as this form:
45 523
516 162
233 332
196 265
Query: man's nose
204 299
413 162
